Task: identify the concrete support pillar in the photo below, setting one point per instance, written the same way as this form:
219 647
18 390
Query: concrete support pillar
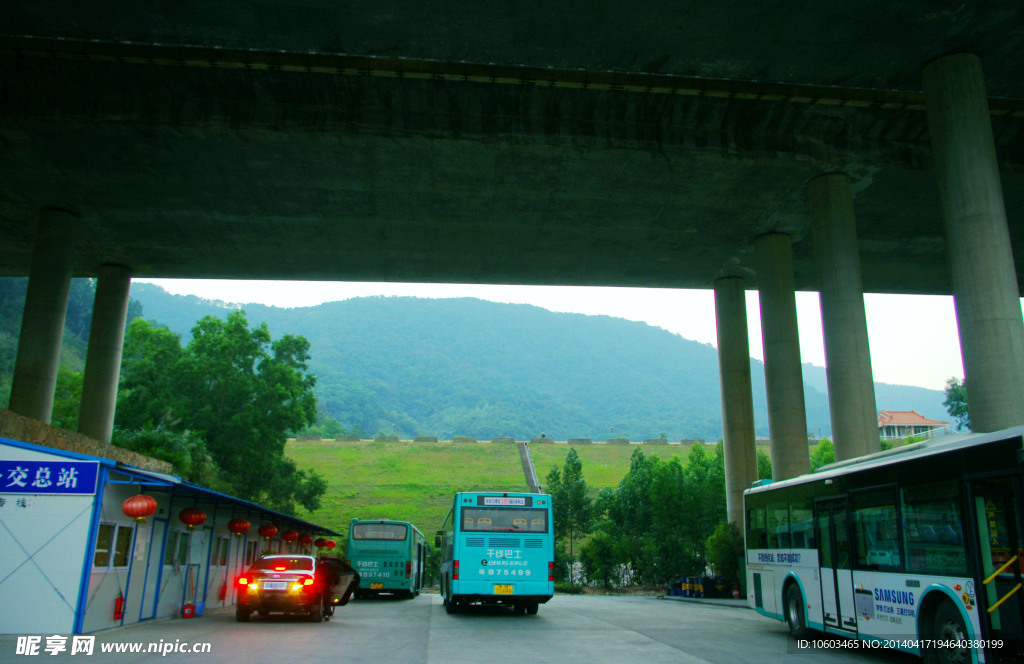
737 394
787 414
42 323
984 279
851 388
103 359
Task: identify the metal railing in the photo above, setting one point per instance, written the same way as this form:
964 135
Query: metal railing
930 433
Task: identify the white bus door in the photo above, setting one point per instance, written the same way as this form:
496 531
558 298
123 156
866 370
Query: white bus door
996 503
837 603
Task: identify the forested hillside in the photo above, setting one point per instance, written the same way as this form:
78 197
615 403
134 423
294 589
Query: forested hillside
467 367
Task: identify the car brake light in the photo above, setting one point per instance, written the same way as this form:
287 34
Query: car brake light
242 581
551 571
254 586
455 570
308 582
280 568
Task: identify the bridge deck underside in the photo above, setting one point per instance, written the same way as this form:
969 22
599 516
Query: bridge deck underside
203 168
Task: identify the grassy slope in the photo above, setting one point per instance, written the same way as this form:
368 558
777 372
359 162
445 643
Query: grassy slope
416 481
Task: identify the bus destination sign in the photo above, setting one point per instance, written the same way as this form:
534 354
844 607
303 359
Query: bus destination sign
505 501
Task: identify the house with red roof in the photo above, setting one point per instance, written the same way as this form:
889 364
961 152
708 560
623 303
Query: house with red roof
906 423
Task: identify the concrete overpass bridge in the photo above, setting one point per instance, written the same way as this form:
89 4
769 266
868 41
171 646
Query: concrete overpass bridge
843 147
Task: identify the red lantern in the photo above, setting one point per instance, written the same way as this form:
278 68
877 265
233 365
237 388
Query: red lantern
305 539
289 536
238 526
192 517
320 542
267 530
139 507
330 544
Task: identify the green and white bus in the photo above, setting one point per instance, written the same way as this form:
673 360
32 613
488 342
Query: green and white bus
390 557
917 548
497 548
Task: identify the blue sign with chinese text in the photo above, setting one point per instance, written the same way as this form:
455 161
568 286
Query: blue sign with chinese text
51 477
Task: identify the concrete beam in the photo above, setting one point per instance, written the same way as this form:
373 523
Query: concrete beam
985 290
42 323
787 414
737 394
851 388
103 360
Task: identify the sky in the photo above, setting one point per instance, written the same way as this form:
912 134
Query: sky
913 339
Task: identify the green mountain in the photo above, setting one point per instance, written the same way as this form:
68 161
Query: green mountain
467 367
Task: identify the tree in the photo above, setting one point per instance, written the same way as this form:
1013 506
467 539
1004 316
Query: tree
148 394
331 428
245 393
676 514
822 454
956 403
573 507
663 513
704 488
67 398
239 390
563 564
629 511
599 560
725 548
764 465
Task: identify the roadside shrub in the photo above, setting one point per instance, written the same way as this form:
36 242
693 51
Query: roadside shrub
186 450
724 547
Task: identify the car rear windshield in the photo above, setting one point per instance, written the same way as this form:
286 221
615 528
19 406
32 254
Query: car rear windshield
380 531
284 564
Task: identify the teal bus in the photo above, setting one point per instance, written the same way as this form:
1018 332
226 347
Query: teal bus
497 548
390 557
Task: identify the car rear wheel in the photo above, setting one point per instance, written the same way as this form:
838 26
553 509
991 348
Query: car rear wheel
241 615
316 614
531 608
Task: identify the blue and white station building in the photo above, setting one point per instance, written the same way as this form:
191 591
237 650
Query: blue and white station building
68 544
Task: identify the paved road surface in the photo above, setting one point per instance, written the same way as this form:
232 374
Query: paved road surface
566 630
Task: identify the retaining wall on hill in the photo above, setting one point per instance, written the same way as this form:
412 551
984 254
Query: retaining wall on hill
28 430
508 440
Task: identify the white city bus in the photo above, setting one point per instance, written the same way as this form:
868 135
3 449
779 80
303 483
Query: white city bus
917 548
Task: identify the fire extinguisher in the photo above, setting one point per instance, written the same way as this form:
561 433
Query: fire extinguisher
119 607
223 591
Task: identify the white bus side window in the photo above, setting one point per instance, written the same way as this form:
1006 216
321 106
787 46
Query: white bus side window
801 525
778 525
931 529
757 535
875 527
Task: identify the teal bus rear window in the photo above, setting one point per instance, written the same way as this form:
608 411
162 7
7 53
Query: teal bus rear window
395 532
504 520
